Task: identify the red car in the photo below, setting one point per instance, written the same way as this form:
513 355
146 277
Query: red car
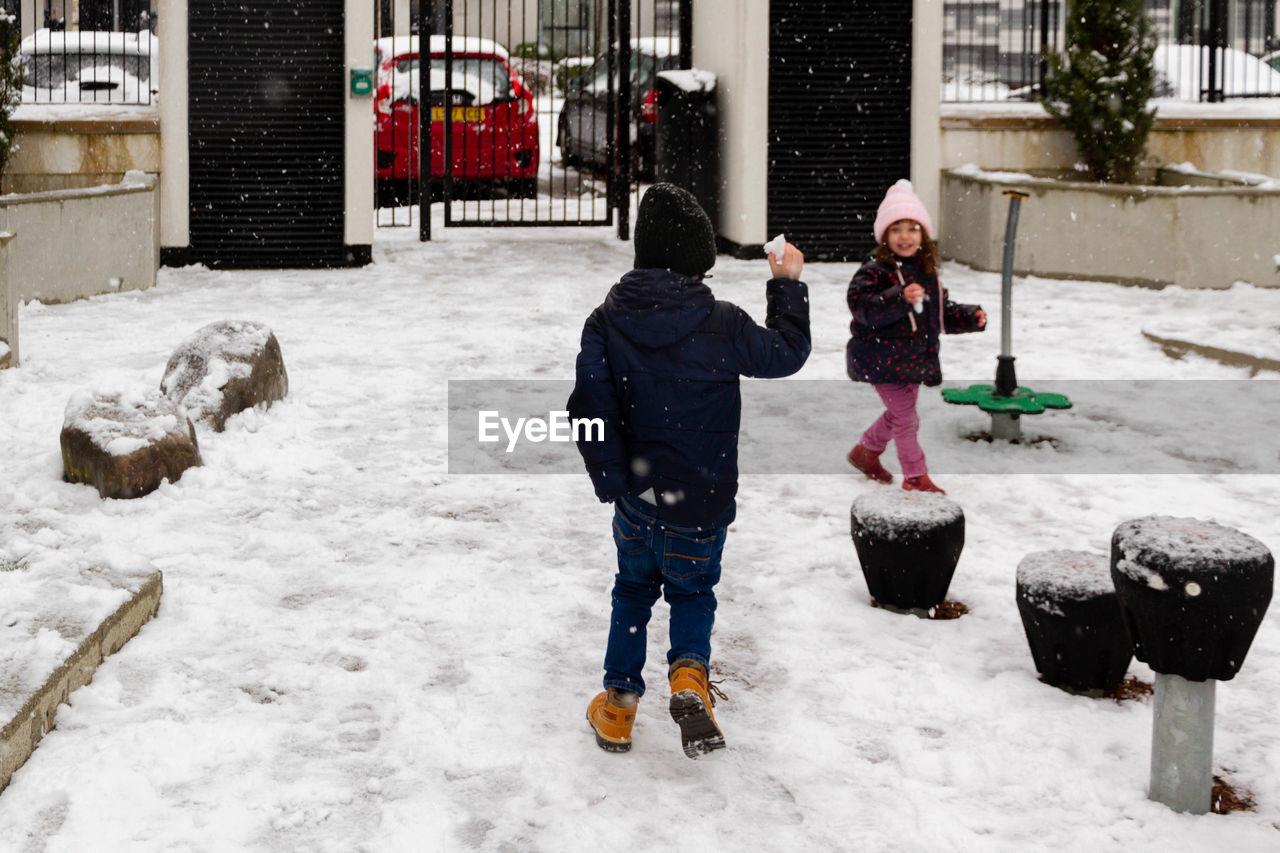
495 127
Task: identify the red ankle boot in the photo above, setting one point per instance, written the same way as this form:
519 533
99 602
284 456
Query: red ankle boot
921 484
868 462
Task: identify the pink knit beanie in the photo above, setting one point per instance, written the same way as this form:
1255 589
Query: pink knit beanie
901 202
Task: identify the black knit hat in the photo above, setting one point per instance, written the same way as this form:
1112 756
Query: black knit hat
673 232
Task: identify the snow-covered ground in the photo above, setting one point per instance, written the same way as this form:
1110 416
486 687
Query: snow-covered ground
359 649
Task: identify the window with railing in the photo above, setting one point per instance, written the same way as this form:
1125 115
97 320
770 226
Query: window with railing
1208 50
111 59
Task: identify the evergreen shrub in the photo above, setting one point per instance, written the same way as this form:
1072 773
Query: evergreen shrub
11 77
1099 87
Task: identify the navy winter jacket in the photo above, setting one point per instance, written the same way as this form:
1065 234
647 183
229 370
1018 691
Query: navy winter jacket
659 364
891 343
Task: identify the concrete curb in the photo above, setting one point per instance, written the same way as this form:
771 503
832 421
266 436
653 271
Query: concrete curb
19 737
1177 349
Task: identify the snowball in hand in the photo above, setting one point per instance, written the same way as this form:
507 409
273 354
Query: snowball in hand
776 247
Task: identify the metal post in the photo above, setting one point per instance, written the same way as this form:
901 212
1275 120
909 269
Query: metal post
1006 378
1217 41
426 27
1006 272
1044 43
622 166
1006 426
686 33
446 175
1182 744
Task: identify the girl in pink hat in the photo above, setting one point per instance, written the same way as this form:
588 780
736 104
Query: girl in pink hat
900 312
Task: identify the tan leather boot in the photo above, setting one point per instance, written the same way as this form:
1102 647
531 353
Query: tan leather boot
611 715
692 698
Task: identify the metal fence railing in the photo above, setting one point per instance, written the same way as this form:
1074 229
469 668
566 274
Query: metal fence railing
1207 50
111 59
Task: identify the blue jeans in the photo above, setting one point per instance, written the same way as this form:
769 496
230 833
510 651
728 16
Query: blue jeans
682 564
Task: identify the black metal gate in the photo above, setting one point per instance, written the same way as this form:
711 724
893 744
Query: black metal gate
839 119
266 132
526 111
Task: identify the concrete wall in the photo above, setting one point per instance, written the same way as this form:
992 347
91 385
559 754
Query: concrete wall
1214 139
55 153
8 304
1148 235
70 244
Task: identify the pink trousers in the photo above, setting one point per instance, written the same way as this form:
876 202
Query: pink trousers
898 424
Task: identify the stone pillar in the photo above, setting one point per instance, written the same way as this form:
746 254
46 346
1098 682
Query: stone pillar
926 105
358 217
175 167
8 303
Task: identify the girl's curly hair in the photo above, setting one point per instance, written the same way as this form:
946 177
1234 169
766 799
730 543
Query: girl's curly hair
928 253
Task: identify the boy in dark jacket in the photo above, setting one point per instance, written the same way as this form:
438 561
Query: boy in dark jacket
659 365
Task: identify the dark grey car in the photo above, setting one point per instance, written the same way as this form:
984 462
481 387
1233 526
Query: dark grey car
583 127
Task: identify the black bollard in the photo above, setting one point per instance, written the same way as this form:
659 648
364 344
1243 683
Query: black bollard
908 544
1072 619
1193 594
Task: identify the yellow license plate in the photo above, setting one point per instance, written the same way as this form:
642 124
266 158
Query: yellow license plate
459 113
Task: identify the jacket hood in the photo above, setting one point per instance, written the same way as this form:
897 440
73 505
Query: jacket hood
657 307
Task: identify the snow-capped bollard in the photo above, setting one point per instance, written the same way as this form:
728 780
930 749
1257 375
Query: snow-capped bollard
1072 618
908 544
1193 594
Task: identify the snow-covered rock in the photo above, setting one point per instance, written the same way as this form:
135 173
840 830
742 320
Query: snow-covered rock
125 442
226 367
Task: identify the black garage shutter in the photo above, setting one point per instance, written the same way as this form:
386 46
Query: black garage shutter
266 132
839 119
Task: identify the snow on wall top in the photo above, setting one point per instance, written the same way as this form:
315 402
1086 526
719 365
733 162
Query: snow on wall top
48 608
123 420
202 365
1062 575
886 512
1192 544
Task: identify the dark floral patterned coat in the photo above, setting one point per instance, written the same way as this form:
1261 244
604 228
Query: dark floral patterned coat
892 343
